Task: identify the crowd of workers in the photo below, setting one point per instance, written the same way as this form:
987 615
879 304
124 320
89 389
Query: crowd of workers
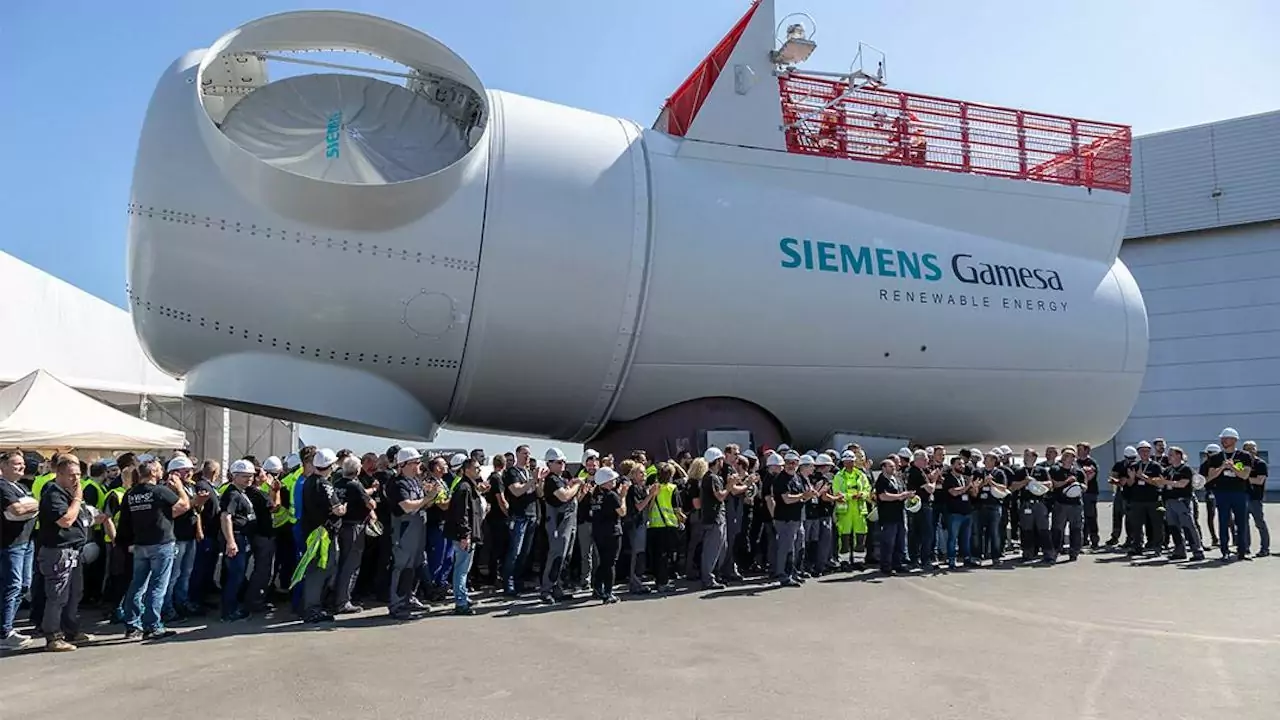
151 540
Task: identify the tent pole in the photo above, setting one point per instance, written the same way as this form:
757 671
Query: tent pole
226 438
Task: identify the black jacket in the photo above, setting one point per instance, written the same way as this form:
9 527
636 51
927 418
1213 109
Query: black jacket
465 517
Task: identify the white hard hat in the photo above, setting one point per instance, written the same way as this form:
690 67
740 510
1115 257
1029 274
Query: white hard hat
712 454
805 460
1197 481
997 452
1229 433
913 504
1006 449
904 452
874 515
999 493
146 457
553 455
1073 491
272 465
292 461
1130 451
588 455
244 467
409 454
1144 445
848 455
456 461
791 456
823 459
784 448
325 458
179 462
1037 488
774 460
1213 448
604 475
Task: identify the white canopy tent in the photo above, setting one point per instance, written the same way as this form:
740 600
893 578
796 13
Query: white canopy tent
40 411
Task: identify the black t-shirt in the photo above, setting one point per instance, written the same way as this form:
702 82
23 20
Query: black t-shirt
402 488
1090 480
54 503
823 508
712 507
1121 470
14 532
353 492
984 494
495 489
184 526
150 509
517 505
550 484
1018 475
261 511
636 495
916 480
1141 490
1180 472
318 499
1062 474
604 513
236 504
785 483
890 510
960 504
1258 492
209 512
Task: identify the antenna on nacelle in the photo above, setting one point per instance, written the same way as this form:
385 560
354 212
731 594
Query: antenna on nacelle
798 44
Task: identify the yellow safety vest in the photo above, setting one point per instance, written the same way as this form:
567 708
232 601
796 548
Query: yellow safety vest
650 471
118 494
89 482
37 485
283 515
662 513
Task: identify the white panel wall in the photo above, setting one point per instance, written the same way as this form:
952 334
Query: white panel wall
1213 303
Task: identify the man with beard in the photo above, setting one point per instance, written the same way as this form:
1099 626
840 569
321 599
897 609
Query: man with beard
923 481
1143 500
1068 489
1177 506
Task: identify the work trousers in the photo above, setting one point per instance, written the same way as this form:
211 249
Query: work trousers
286 555
1033 521
1144 522
733 517
823 543
637 534
63 580
661 545
1071 519
1211 515
987 531
439 557
233 575
692 566
713 545
1256 510
264 558
893 542
923 536
608 546
318 581
587 557
350 554
788 535
1091 532
562 522
758 534
1233 507
1119 516
408 542
496 541
1177 514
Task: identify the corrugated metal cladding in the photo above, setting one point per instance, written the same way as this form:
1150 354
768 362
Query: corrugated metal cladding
1209 269
1226 173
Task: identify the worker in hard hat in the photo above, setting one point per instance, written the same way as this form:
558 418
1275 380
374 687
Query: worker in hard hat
851 484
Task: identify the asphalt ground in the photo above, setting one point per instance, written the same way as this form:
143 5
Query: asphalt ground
1103 637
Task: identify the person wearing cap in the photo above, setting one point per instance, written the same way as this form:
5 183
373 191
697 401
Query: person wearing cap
990 479
146 523
959 490
1176 484
408 498
1230 470
351 534
923 481
853 488
319 520
464 526
713 490
1143 501
521 493
1118 480
177 599
264 495
236 515
607 511
789 495
1257 492
1067 480
560 493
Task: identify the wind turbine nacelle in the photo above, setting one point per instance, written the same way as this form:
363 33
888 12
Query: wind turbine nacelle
385 256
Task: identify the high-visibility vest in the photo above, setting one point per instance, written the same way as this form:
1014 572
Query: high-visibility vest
90 482
651 471
662 513
37 484
118 494
845 483
283 514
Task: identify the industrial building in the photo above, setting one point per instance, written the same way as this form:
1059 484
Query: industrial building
1203 242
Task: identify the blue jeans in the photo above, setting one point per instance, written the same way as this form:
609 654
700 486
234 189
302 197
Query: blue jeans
13 562
461 568
1233 506
233 576
28 566
439 556
521 544
961 531
152 565
184 560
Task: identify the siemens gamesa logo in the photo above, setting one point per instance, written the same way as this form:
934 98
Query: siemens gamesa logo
333 135
891 263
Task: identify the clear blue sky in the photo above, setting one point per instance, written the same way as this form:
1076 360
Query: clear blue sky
78 75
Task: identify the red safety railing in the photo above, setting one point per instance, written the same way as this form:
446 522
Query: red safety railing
887 126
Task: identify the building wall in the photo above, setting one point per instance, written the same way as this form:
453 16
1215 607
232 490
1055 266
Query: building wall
1213 306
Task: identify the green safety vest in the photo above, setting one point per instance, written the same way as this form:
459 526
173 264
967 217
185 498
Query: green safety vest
283 515
118 494
662 513
650 471
846 483
90 482
37 484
